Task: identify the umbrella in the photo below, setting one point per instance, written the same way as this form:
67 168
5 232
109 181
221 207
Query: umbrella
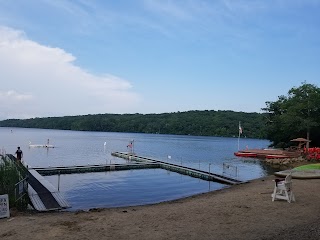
300 140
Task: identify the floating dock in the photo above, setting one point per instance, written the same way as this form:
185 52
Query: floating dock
180 169
93 168
45 197
138 162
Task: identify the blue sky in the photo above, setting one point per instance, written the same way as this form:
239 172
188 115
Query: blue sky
60 57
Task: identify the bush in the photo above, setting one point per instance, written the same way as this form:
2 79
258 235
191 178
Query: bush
10 174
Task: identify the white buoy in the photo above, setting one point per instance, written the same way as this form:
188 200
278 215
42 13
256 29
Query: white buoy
104 146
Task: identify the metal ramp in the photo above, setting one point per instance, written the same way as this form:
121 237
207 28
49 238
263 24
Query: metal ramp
43 195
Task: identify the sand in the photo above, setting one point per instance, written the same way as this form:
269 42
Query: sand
239 212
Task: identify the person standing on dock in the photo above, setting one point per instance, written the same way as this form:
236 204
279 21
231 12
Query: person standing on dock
19 154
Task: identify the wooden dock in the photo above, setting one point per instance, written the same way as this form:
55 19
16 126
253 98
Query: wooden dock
138 162
93 168
180 169
44 196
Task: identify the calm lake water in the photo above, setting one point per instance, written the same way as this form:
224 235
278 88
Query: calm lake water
132 187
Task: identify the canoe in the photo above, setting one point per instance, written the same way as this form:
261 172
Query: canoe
245 154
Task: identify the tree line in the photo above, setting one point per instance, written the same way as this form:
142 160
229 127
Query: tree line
197 123
294 115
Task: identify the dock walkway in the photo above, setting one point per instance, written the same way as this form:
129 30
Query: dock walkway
138 162
180 169
93 168
45 197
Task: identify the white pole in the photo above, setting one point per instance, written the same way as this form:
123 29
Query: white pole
239 136
132 147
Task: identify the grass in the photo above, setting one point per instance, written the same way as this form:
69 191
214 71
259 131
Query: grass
315 166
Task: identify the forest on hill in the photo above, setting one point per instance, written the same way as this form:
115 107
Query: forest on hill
295 115
197 123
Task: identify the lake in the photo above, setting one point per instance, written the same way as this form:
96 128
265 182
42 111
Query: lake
132 187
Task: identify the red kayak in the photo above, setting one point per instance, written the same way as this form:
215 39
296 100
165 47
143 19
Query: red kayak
245 154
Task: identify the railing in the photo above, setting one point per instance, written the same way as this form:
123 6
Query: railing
21 189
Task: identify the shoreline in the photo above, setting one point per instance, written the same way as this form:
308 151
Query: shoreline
242 211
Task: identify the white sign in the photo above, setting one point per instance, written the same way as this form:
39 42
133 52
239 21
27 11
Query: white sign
4 206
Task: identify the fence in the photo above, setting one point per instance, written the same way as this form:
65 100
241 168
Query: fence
21 189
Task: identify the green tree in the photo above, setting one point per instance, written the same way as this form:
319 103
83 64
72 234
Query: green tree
201 123
294 115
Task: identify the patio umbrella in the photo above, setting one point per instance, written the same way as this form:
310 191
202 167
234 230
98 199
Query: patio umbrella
300 140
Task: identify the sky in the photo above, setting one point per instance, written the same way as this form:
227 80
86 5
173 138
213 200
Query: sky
79 57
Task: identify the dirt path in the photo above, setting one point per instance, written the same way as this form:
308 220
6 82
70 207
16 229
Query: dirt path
239 212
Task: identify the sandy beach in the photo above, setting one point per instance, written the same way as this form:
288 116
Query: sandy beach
239 212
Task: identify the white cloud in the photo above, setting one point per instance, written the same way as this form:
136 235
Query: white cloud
13 96
46 82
